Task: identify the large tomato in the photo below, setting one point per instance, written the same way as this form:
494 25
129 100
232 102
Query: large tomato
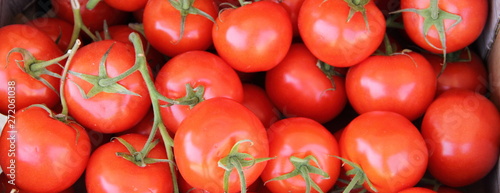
106 112
25 88
195 68
162 26
299 145
254 37
462 130
218 133
404 83
299 87
388 148
333 37
444 24
42 154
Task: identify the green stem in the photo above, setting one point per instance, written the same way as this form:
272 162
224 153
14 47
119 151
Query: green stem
64 75
75 5
434 9
92 3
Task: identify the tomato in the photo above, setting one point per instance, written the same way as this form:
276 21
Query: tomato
417 190
162 26
404 83
144 127
206 137
16 83
299 144
196 68
332 37
462 130
106 112
107 172
59 30
293 8
463 23
34 145
387 147
460 72
254 37
298 87
256 99
128 5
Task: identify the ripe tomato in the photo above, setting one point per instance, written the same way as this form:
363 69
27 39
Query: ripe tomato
332 37
417 190
256 99
34 146
462 130
301 138
196 68
404 83
106 112
461 22
207 136
298 87
107 172
59 30
254 37
389 149
15 81
128 5
293 8
162 26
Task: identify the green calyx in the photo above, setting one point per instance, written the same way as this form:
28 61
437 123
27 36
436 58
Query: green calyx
238 161
359 176
329 71
139 158
193 96
303 168
185 7
358 6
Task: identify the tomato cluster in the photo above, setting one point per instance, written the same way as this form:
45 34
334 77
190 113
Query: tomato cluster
247 96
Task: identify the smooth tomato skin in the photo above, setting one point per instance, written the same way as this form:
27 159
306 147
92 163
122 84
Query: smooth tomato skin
127 5
471 75
208 134
162 24
473 14
44 148
256 99
107 172
56 28
324 30
293 8
402 83
106 112
462 129
417 190
28 90
254 37
297 87
300 137
388 147
197 68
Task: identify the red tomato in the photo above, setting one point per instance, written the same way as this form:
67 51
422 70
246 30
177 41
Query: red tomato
107 172
461 72
144 127
301 138
417 190
254 37
463 23
388 147
196 68
293 8
34 146
404 83
59 30
15 81
162 26
206 137
127 5
256 99
299 88
462 130
327 32
106 112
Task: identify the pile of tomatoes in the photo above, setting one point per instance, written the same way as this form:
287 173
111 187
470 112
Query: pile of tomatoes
247 96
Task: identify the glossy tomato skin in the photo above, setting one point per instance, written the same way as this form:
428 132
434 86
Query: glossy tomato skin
388 147
417 190
473 15
107 172
324 30
27 90
299 88
208 134
197 68
59 30
463 133
254 37
127 5
41 147
300 137
162 24
402 83
256 99
106 112
293 8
